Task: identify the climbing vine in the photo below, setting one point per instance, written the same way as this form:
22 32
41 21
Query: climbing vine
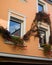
40 17
7 36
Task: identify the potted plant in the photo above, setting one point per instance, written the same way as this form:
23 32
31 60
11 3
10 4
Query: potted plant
40 17
47 49
17 40
6 35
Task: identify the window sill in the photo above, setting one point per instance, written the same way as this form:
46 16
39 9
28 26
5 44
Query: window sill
19 45
40 48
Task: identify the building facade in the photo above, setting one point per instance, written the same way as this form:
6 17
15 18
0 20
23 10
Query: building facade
17 16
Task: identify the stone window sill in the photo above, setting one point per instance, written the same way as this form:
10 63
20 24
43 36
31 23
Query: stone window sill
19 45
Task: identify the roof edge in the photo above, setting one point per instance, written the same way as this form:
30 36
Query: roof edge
24 57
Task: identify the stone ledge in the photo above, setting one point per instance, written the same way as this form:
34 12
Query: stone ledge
19 45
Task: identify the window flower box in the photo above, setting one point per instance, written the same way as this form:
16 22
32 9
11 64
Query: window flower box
12 43
11 39
47 49
16 41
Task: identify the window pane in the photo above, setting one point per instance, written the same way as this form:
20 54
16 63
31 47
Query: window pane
40 7
42 37
14 28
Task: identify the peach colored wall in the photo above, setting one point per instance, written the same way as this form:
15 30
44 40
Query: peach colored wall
28 9
21 7
50 12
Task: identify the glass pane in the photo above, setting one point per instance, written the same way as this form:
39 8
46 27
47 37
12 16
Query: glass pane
42 38
40 7
14 28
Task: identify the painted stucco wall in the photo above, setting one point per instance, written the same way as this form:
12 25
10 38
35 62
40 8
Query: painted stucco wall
29 10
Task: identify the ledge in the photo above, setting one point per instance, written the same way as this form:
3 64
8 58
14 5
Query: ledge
19 45
24 57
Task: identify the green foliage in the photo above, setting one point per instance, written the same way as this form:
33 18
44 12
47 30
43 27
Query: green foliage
17 40
47 49
40 16
6 35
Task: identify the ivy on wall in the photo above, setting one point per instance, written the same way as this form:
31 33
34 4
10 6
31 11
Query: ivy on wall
34 30
6 35
40 17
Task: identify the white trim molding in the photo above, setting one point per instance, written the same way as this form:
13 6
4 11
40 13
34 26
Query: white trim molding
47 32
19 16
24 57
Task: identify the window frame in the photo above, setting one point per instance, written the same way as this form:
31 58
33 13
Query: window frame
47 28
43 30
42 3
20 17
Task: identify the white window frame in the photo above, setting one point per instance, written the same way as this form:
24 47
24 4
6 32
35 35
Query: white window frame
47 34
42 3
18 16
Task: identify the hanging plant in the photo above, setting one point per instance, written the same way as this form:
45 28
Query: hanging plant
6 35
17 40
47 49
40 16
30 33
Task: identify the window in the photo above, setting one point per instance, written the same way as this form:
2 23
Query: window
15 26
40 7
44 33
42 37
